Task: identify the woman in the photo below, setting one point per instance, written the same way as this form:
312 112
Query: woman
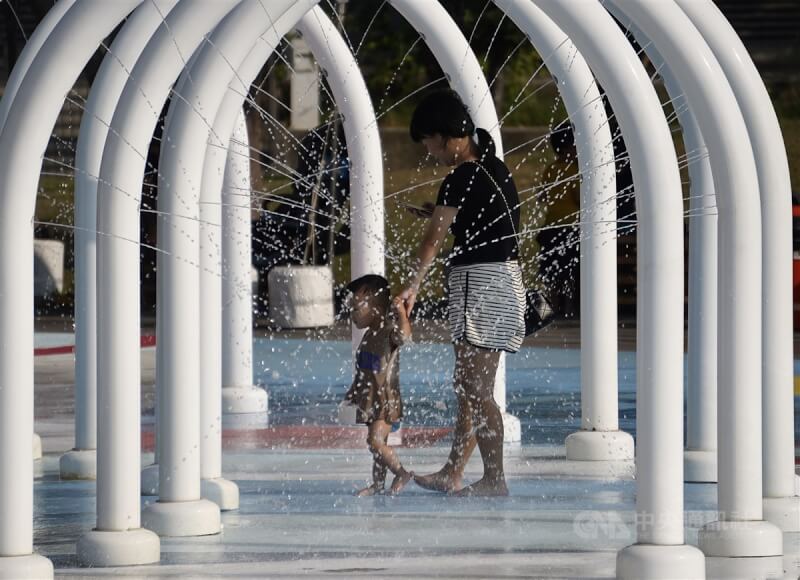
479 204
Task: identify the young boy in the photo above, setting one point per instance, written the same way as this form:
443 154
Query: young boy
376 387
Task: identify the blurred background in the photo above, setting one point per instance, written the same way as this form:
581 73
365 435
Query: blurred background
289 101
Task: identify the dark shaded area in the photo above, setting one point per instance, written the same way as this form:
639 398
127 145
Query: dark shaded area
769 28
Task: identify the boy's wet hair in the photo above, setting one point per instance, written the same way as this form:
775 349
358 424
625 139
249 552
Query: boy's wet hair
372 284
442 113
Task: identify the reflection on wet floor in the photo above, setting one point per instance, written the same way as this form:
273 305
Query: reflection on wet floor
298 515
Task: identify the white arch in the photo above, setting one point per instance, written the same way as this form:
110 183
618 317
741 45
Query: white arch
108 84
24 138
700 456
781 503
121 175
29 52
599 438
454 55
739 364
15 78
180 170
660 305
463 71
655 173
459 63
366 183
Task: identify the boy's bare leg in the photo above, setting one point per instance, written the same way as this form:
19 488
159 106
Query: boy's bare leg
488 421
448 478
385 456
378 480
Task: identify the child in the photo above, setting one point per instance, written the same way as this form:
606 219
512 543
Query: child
376 389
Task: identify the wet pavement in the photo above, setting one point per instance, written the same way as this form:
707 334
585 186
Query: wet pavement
299 518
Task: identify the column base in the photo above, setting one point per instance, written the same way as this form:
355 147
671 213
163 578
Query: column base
78 464
37 446
784 512
656 562
135 547
599 446
149 480
249 399
222 492
699 466
744 568
512 429
28 567
182 518
740 539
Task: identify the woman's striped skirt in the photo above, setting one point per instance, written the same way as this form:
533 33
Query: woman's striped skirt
486 306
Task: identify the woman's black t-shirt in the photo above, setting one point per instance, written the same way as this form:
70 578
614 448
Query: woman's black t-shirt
482 227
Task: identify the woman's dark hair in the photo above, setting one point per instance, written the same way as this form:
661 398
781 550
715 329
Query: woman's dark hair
441 113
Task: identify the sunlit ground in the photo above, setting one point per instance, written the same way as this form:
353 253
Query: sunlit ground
298 515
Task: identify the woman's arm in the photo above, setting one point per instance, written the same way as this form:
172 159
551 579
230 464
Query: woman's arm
441 220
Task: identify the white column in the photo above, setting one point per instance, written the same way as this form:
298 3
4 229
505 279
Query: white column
700 456
781 503
119 193
599 437
213 486
182 318
28 125
242 401
364 150
80 463
741 532
15 78
463 71
659 461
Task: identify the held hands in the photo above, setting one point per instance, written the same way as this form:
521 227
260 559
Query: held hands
405 300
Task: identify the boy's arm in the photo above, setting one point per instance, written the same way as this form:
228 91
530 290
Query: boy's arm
403 329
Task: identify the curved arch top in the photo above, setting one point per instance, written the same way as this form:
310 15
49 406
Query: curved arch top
97 113
29 52
776 199
455 56
581 96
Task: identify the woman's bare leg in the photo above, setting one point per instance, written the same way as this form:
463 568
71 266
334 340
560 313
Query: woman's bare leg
448 478
487 420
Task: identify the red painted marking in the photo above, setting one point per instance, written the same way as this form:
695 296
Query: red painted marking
53 350
147 340
310 437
